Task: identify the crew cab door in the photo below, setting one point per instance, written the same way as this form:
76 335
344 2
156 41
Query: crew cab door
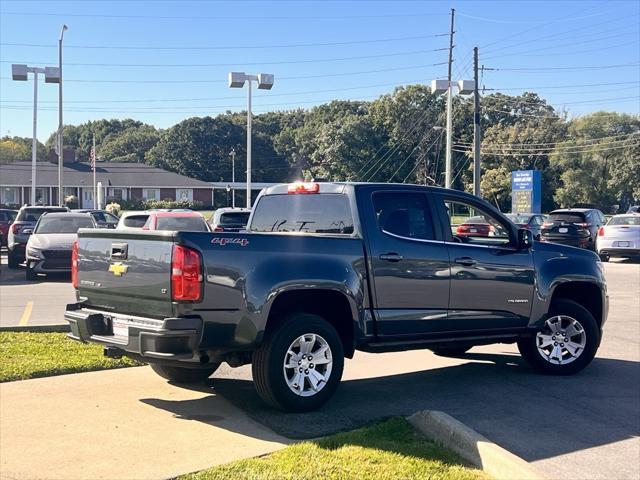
492 280
409 266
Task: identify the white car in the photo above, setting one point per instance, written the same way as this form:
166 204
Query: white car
620 237
132 220
230 219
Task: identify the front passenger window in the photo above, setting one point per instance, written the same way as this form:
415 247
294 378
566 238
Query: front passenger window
403 214
472 225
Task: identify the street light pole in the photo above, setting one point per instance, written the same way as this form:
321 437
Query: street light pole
34 141
60 127
265 82
447 181
233 177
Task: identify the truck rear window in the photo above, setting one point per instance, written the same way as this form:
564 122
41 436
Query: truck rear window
567 217
234 218
317 213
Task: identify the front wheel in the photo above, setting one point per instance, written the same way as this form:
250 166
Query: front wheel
299 365
183 374
567 342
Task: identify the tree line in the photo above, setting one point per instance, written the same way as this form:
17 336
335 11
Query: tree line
398 137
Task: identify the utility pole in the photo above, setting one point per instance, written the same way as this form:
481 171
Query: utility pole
60 127
233 177
447 182
477 132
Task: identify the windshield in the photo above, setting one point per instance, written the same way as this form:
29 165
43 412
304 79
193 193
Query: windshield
630 220
234 218
135 221
322 213
33 214
61 224
517 218
191 224
567 217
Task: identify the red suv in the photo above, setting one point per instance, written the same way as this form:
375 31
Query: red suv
177 220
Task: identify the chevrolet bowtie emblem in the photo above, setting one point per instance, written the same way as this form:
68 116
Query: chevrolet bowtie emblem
118 268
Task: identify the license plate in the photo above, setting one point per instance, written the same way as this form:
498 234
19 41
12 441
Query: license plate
120 328
473 230
563 230
623 244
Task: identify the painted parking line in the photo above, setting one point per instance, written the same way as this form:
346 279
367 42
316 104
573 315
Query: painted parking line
26 314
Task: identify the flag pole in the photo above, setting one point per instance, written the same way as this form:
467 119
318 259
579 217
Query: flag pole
93 165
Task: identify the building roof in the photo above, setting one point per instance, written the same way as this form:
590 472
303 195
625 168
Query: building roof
110 174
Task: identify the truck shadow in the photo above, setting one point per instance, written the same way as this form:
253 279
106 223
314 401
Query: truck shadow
534 416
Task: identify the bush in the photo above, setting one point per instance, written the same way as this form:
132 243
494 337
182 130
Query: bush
113 208
71 201
155 204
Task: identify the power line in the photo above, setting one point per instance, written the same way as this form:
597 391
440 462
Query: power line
229 47
556 151
460 142
489 150
548 69
533 22
409 156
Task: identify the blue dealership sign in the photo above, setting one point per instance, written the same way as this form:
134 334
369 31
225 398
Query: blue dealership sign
526 191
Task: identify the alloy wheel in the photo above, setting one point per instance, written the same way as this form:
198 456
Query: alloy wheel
307 364
562 340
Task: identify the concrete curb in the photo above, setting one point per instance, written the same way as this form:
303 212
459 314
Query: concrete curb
37 328
473 447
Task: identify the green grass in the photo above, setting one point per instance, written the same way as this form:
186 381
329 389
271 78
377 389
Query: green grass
388 450
29 355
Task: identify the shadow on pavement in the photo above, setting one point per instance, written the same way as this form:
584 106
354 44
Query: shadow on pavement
17 277
532 415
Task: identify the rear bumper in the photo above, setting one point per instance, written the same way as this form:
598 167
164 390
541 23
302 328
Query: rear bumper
580 242
620 252
173 339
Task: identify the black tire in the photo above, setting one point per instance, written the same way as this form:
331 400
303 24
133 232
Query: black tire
183 374
451 350
30 274
268 361
604 258
12 261
529 350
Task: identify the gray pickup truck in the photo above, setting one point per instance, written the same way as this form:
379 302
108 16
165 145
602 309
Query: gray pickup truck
325 269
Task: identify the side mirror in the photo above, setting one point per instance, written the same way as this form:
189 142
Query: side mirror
525 239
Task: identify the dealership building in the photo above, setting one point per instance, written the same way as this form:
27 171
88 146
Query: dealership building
120 181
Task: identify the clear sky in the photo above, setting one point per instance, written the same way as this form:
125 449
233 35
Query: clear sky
163 61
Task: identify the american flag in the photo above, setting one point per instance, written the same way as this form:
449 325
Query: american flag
92 156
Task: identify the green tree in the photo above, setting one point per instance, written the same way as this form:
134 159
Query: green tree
18 149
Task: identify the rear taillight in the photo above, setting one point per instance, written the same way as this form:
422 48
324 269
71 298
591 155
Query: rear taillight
14 228
186 274
303 187
601 232
218 229
74 265
581 224
547 224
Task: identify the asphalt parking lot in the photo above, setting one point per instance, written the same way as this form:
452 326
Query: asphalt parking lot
584 426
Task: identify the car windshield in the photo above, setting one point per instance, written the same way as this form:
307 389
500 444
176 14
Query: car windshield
630 220
33 214
189 224
477 220
62 224
567 217
518 218
325 213
135 221
234 218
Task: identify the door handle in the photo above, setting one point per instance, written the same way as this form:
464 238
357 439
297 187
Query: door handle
466 261
391 257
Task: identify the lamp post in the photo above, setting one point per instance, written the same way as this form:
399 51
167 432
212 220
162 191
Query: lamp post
265 82
20 72
465 87
60 141
233 176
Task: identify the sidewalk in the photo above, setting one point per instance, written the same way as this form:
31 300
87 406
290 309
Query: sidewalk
120 424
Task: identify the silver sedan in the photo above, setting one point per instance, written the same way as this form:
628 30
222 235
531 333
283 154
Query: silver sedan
620 237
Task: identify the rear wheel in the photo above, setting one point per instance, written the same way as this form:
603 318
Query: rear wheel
30 273
604 257
299 365
12 260
183 374
566 344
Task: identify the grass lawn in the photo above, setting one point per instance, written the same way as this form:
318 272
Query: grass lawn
29 355
389 450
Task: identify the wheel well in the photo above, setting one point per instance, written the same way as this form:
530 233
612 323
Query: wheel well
584 293
331 305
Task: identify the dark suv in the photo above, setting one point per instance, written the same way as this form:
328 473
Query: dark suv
20 230
577 227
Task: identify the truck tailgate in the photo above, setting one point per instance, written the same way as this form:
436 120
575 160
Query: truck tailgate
126 272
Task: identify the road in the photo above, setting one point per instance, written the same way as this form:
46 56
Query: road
578 427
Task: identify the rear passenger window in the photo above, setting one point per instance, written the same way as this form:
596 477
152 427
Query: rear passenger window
403 214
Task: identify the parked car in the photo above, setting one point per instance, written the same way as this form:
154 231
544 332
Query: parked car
325 269
530 221
577 227
21 228
230 219
188 221
103 218
132 220
49 247
6 219
620 237
634 209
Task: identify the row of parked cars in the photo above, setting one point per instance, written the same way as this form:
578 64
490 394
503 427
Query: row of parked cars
42 236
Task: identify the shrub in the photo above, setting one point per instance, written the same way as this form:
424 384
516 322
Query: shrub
71 201
113 208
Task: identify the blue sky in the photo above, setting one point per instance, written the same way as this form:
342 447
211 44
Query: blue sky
163 61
